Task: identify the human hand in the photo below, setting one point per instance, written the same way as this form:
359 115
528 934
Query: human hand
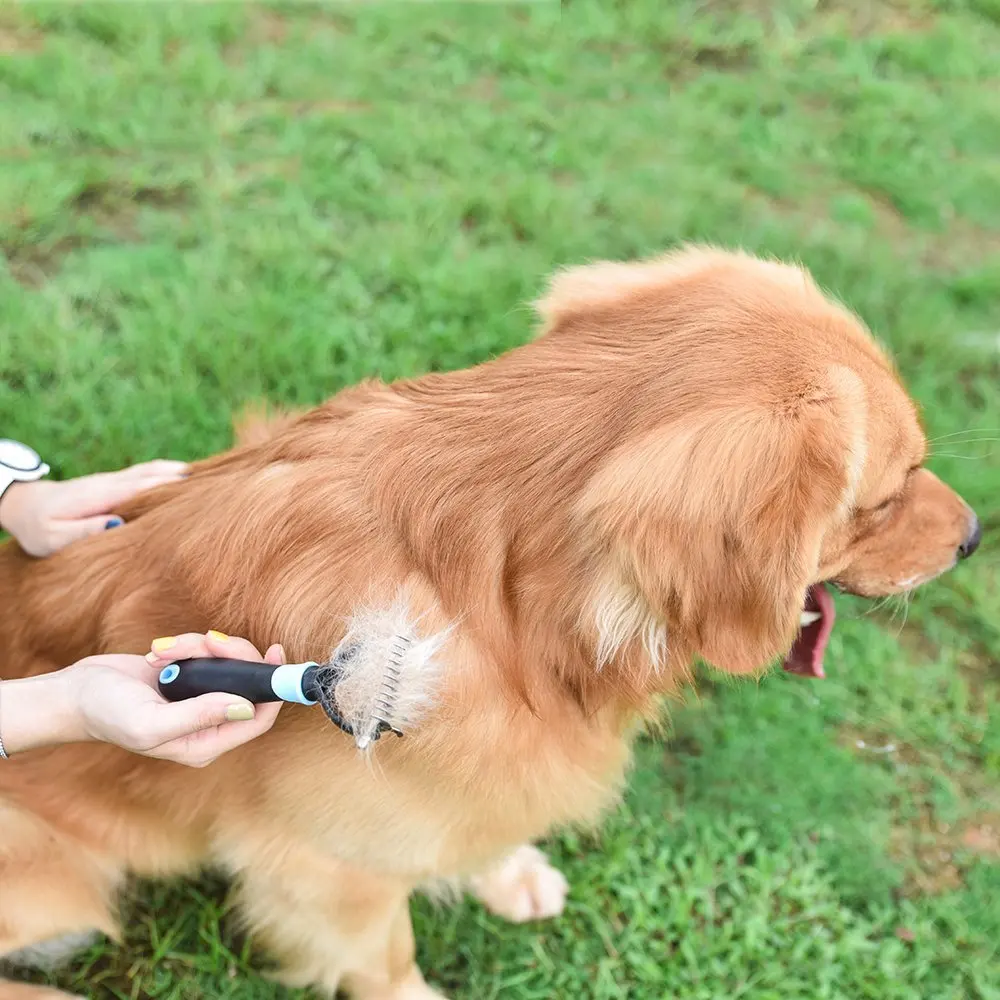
118 702
44 516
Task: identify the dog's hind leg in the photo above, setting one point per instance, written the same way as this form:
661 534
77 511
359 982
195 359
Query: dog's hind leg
334 927
53 895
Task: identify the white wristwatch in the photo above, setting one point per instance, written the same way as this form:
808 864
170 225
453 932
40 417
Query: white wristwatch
19 464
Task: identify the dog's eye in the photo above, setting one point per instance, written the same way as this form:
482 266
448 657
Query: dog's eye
882 508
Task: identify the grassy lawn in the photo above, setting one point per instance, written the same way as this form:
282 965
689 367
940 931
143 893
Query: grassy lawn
205 205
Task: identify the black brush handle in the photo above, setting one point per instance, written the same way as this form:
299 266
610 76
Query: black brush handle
204 675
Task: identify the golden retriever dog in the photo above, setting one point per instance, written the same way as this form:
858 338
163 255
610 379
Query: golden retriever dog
689 454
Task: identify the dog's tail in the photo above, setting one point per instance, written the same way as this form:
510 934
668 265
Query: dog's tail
261 421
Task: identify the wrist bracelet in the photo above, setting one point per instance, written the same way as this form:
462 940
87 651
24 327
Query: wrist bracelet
3 750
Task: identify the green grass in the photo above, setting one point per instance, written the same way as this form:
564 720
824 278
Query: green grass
201 206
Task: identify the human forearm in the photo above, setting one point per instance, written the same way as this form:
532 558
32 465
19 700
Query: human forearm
9 500
113 698
39 711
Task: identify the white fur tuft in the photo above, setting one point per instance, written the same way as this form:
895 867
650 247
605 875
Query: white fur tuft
621 617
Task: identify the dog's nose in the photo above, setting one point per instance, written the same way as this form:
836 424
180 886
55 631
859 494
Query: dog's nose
973 539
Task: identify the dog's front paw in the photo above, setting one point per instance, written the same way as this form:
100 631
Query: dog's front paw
522 887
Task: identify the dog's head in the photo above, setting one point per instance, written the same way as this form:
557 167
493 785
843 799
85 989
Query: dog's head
772 451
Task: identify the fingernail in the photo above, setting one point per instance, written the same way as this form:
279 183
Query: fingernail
218 636
114 522
161 645
151 658
239 713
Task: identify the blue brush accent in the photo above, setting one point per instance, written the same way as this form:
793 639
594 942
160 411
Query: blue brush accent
169 674
286 682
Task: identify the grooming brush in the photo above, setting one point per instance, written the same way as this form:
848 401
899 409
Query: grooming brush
379 679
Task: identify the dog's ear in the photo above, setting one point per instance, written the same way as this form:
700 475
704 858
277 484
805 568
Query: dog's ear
715 527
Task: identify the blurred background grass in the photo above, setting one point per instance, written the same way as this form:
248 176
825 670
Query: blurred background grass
203 205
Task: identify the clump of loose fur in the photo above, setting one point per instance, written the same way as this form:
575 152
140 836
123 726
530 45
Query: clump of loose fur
387 672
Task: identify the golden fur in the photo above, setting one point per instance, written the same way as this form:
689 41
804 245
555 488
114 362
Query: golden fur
688 445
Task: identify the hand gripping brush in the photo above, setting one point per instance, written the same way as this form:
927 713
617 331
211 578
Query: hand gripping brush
381 677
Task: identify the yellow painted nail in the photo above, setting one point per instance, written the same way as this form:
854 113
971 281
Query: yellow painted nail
162 645
218 636
239 713
151 658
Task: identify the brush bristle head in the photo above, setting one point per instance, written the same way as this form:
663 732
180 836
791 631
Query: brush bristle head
384 674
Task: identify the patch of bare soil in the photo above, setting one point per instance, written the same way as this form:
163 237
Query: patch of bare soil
109 207
16 39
